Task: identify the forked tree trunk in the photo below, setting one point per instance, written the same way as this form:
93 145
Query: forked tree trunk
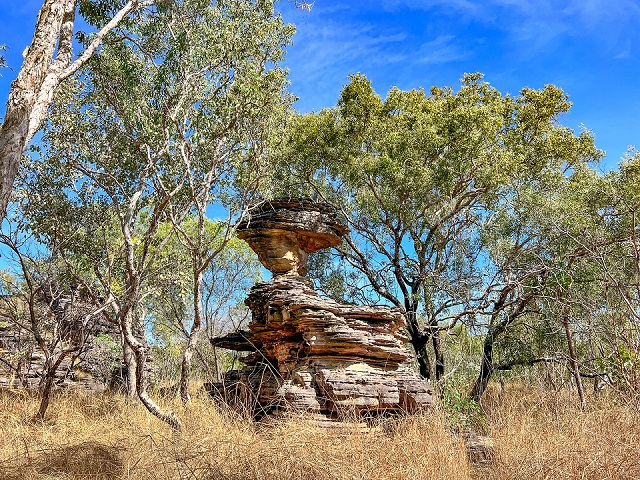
575 366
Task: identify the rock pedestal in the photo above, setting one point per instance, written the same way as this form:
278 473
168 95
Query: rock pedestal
309 353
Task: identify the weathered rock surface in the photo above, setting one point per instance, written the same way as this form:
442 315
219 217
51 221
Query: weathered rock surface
23 363
309 353
284 232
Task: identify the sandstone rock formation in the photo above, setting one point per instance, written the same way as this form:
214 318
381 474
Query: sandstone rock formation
22 361
308 353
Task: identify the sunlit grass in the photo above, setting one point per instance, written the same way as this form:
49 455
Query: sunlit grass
536 434
104 437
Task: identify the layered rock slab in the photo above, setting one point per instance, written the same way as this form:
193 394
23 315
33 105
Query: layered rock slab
308 353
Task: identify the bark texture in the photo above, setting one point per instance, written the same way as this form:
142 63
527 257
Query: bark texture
41 72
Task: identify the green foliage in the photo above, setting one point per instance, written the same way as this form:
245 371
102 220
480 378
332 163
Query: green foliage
451 196
463 413
465 206
99 12
3 62
463 350
175 109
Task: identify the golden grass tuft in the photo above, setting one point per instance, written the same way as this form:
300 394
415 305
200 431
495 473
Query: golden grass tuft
536 434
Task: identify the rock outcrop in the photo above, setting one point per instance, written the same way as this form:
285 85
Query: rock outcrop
308 353
24 363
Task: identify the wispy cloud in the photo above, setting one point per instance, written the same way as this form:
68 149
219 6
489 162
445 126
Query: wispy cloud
329 50
542 23
442 49
332 44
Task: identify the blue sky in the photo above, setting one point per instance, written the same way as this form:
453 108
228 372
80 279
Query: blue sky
589 48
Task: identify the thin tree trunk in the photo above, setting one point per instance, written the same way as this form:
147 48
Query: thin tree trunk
185 372
131 364
438 352
486 369
140 351
46 396
47 389
496 328
168 417
218 377
486 364
575 366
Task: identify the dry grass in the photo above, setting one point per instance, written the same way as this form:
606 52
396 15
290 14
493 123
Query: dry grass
540 434
106 438
535 435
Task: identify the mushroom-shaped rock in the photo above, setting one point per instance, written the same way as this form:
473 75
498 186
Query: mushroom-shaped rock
310 353
284 232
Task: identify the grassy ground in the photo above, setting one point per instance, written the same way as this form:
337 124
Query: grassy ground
535 435
539 434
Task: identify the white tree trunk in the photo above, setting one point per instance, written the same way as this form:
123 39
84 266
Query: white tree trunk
130 362
185 372
140 351
32 91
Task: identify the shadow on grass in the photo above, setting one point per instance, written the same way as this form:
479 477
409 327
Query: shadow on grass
86 460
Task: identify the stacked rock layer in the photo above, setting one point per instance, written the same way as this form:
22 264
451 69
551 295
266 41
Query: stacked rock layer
308 353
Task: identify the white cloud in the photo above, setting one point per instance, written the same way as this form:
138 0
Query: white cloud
442 49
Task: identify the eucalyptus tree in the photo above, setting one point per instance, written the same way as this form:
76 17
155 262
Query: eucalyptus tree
203 275
174 114
47 62
46 313
545 275
419 178
614 251
623 276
